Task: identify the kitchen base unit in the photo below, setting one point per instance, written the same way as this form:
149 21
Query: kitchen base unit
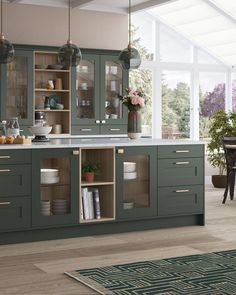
138 185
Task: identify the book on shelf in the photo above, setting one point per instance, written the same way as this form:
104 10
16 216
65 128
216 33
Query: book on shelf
90 203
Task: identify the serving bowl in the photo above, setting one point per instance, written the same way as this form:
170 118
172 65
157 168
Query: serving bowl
40 130
49 172
129 167
130 175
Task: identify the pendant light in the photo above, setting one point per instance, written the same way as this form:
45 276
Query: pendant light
6 48
69 54
130 57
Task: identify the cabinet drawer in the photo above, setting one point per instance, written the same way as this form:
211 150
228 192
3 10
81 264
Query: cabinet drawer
15 156
85 129
15 213
180 171
113 129
180 200
15 180
180 151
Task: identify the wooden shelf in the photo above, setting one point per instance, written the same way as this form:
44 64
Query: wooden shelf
103 219
43 110
95 183
49 90
52 70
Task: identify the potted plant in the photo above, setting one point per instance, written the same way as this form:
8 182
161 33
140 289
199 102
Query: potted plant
221 124
89 169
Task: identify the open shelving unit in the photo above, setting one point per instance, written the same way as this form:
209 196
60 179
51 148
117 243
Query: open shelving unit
104 182
41 77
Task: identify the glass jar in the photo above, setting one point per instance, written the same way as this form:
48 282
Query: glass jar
12 127
3 128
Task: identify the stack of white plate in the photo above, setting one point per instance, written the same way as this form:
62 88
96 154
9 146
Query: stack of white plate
45 208
59 206
49 176
130 170
128 205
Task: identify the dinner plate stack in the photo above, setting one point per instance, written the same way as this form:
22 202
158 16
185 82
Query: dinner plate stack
130 170
45 208
59 206
49 176
128 205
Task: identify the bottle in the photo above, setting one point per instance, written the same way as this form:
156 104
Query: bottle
12 127
3 128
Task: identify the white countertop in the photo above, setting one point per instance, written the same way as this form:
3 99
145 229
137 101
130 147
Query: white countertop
98 142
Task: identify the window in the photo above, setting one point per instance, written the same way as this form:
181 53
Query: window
234 91
175 104
211 98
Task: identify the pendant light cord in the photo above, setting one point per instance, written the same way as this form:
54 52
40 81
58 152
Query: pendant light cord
69 3
129 22
1 18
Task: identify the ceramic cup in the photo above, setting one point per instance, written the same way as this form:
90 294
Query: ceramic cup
113 116
57 128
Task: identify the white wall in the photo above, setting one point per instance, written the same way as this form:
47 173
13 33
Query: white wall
43 25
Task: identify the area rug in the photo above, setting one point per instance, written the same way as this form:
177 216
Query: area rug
206 274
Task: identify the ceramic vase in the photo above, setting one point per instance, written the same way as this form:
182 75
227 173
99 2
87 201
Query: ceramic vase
134 124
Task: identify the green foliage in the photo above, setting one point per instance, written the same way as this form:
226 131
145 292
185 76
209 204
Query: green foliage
91 166
221 124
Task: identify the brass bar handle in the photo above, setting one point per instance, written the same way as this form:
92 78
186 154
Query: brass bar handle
5 170
75 153
182 163
86 129
120 151
182 151
182 191
114 129
5 203
5 157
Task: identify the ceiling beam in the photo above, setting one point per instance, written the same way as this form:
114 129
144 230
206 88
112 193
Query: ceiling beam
14 1
80 3
149 4
221 10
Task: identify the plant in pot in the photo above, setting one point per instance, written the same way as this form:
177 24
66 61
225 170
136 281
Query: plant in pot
221 124
90 169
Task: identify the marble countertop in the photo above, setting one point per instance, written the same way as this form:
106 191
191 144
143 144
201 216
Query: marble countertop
98 142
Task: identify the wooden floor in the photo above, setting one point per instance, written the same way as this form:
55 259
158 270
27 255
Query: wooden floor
37 268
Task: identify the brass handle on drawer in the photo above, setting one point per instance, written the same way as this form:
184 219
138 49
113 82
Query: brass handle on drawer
120 151
182 163
75 153
5 157
5 170
182 151
182 191
115 129
97 122
86 129
103 121
5 203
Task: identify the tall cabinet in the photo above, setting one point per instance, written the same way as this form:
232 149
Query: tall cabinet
96 85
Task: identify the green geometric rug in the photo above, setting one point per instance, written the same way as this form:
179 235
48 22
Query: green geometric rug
206 274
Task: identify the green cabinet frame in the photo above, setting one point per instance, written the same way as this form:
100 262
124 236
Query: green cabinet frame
136 213
73 216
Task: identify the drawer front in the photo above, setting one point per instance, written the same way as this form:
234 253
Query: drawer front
85 129
180 151
113 129
15 156
15 213
15 180
173 172
180 200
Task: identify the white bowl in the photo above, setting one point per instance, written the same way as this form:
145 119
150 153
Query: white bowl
130 175
129 167
49 172
128 205
40 130
49 180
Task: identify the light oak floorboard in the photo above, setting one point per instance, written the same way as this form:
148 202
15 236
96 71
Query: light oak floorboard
37 268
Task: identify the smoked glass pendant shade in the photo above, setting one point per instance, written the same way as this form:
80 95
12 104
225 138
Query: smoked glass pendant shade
69 55
6 51
129 58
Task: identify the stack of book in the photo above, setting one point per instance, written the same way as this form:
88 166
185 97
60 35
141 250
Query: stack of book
90 208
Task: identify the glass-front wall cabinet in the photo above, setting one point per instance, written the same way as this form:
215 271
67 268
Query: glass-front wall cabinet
17 89
54 189
136 189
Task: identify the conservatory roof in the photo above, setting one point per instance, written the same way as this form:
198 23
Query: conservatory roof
210 24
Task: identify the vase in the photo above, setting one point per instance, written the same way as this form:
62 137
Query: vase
89 176
134 124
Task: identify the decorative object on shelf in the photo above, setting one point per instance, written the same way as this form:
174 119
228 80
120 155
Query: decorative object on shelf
58 84
69 54
40 133
6 48
134 101
50 85
47 103
130 57
221 124
90 169
12 127
55 67
57 129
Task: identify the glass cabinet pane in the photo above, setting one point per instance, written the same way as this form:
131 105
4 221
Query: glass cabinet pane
85 87
136 182
113 88
17 86
55 188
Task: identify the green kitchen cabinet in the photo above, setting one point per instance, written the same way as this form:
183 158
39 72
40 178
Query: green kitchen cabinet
55 187
17 88
136 190
96 84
